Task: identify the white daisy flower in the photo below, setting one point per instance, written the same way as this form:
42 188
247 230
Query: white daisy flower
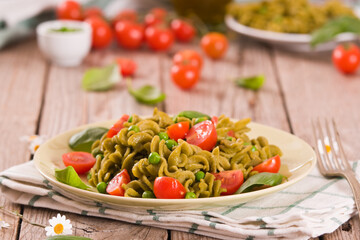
34 142
3 224
59 225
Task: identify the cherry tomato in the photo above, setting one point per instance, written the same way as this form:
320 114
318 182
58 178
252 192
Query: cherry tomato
272 165
69 10
184 31
178 130
230 180
168 188
185 76
115 185
129 34
155 16
117 126
188 56
215 120
101 32
125 15
127 66
82 162
231 133
346 58
159 38
92 11
214 44
203 135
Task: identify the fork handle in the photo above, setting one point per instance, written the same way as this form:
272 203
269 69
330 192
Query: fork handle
355 187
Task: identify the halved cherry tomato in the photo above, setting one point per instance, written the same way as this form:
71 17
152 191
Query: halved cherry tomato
203 135
92 11
82 162
230 180
215 120
127 66
158 37
185 76
231 133
115 185
272 165
168 188
101 32
178 130
155 16
346 58
117 126
128 34
188 57
69 10
184 31
214 44
127 15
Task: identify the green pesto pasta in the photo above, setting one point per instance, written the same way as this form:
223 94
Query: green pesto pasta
130 149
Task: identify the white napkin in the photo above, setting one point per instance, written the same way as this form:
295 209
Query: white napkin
309 208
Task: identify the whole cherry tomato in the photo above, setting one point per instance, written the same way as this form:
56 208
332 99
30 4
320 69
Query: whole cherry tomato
129 34
155 16
159 38
214 44
127 66
82 162
101 32
188 56
184 31
346 58
117 126
272 165
127 15
115 185
230 180
178 130
69 10
92 11
168 188
203 135
185 76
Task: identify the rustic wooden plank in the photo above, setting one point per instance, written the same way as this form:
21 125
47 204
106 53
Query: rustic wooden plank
216 94
22 81
67 106
313 88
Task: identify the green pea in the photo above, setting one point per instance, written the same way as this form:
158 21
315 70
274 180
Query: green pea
199 120
199 175
134 128
190 195
88 176
229 138
101 187
253 149
171 143
163 136
148 194
154 158
130 119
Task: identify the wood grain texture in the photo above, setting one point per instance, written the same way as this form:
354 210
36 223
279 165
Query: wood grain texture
22 81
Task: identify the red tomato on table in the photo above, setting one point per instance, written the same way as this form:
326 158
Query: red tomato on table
117 126
125 15
92 11
230 180
185 76
155 16
159 38
184 31
114 186
101 32
203 135
178 130
127 66
188 57
214 44
82 162
168 188
272 165
128 34
69 10
346 58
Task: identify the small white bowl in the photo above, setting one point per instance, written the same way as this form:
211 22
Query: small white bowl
65 48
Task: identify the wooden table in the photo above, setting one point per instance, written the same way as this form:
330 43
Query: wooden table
37 97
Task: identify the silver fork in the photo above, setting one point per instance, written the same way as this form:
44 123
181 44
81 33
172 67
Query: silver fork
334 162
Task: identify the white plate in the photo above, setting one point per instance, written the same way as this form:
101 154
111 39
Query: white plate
298 156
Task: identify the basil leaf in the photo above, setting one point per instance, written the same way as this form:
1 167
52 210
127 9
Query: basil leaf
101 79
69 176
334 27
83 140
146 94
67 237
193 114
254 82
260 179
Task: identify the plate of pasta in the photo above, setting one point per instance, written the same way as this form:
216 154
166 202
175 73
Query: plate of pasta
186 161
